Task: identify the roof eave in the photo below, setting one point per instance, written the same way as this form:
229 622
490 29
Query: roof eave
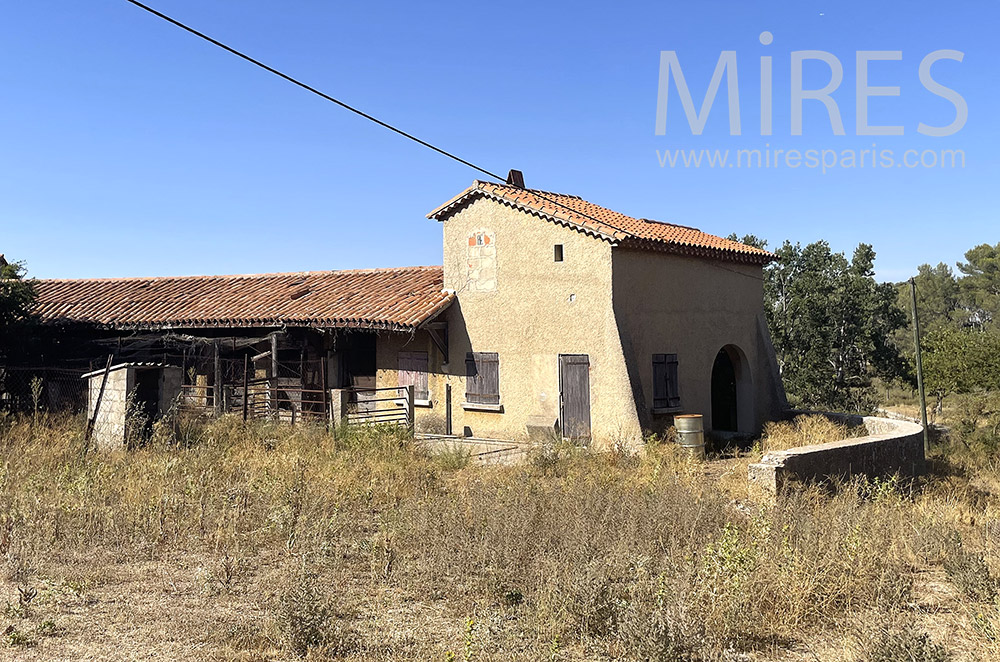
372 325
438 310
442 210
452 205
760 259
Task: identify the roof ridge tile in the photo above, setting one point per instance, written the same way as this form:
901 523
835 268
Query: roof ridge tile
610 225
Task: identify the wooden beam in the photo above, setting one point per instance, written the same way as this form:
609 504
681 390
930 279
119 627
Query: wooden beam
217 388
447 409
97 405
438 331
274 375
326 392
246 379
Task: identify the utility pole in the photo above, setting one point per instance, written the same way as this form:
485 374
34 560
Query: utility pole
920 367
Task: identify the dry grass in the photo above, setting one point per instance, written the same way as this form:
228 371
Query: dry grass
805 430
260 543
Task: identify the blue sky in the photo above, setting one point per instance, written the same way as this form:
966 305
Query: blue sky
128 147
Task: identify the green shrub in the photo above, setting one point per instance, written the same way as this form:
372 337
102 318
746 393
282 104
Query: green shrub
308 619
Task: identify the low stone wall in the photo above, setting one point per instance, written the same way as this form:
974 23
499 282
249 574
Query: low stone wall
891 447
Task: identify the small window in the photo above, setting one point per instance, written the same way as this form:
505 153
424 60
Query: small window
413 371
559 253
482 373
666 391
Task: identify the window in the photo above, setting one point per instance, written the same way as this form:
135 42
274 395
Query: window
413 371
666 391
559 253
482 383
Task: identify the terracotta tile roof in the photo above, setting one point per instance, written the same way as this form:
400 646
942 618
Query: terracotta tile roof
396 299
607 224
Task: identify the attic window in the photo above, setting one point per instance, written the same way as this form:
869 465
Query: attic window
559 253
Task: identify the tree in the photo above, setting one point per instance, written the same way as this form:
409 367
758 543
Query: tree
960 360
831 325
980 285
17 295
939 298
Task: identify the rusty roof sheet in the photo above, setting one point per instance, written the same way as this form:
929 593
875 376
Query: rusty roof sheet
394 299
607 224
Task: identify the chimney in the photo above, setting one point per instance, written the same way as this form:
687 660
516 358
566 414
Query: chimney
515 178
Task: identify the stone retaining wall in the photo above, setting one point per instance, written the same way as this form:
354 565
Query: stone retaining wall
891 447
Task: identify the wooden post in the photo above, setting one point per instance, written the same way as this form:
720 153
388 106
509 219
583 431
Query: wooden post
217 388
447 409
246 386
274 375
410 423
302 363
326 392
97 404
920 367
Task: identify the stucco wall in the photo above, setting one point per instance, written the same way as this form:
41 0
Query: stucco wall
618 306
529 311
429 418
693 307
890 447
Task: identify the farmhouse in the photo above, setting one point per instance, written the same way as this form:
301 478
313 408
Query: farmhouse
550 316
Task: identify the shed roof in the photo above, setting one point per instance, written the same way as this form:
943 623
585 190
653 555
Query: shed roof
392 299
142 365
607 224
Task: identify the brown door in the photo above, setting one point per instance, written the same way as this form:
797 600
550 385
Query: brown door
574 395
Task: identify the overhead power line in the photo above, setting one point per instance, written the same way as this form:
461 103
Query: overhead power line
349 107
312 89
376 120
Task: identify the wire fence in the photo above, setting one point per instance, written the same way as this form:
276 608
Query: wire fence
245 387
26 389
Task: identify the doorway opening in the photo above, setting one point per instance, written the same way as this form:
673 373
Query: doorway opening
732 392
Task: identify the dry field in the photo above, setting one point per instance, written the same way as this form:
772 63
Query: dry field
254 543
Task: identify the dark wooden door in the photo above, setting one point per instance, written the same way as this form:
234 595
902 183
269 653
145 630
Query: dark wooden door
574 395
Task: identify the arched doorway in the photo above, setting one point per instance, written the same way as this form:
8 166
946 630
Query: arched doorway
725 414
732 392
